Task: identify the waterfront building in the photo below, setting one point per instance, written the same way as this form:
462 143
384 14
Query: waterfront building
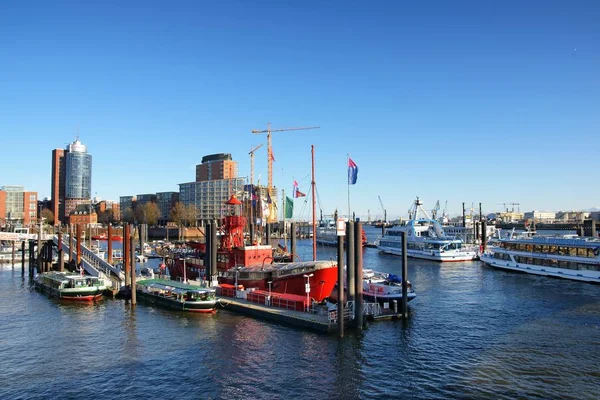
165 202
71 179
209 197
83 214
540 216
18 206
215 167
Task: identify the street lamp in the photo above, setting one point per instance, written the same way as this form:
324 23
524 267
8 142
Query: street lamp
237 270
308 291
270 282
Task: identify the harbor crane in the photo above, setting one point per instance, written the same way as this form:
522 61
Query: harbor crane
435 210
270 157
252 163
384 211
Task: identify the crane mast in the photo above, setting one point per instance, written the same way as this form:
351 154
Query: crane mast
384 211
252 163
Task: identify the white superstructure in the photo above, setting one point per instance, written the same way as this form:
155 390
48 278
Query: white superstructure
566 257
425 239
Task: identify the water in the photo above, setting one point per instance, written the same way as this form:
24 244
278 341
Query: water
473 332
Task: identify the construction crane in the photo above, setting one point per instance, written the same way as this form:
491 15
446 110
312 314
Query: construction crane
384 211
270 157
252 163
435 210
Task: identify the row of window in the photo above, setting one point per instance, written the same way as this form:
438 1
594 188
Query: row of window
421 246
547 262
551 249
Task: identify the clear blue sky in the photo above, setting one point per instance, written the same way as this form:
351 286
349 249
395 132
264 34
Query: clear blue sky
477 101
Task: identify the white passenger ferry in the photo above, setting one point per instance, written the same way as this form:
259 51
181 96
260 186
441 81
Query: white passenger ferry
70 286
425 239
568 257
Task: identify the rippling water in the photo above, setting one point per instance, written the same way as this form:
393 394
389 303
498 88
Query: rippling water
473 332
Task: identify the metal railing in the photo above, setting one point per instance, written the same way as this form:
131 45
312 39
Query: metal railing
93 263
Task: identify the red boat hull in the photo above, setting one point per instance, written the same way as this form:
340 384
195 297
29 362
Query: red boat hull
321 283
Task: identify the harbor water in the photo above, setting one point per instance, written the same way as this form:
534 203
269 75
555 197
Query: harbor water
473 332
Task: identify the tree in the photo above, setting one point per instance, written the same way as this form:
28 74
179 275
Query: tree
48 215
177 213
190 214
106 217
128 215
151 213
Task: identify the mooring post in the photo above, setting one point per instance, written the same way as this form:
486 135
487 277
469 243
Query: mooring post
133 295
268 234
61 258
79 245
404 276
208 251
23 257
126 270
358 276
483 235
251 233
350 260
13 253
464 217
340 285
293 241
140 230
213 252
39 249
109 244
71 243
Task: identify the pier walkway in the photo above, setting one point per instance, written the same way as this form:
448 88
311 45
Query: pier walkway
94 264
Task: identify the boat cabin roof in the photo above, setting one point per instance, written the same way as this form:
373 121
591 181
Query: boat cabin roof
176 287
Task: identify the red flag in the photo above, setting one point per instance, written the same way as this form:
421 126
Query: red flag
299 193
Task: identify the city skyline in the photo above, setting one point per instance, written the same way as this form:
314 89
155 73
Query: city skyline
464 103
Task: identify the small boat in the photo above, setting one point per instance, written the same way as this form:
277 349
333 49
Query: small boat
100 237
178 295
380 287
70 286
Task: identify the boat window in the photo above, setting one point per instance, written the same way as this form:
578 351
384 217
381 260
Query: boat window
590 253
572 251
563 264
582 252
563 250
536 248
529 247
553 249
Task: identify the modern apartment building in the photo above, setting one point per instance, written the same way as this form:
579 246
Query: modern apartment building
18 206
215 167
165 202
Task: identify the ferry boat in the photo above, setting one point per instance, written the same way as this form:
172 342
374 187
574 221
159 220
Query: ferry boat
70 286
567 256
255 266
380 287
327 235
178 295
425 239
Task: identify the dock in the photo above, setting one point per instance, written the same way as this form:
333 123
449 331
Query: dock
314 321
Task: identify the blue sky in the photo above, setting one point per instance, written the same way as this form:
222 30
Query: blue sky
480 101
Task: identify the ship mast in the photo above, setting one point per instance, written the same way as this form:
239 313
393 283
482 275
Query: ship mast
314 204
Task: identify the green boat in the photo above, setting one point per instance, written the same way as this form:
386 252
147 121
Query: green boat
70 286
177 295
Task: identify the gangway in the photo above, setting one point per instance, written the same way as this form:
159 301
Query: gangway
94 264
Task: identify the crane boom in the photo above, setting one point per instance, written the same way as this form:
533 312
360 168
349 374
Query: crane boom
384 210
270 157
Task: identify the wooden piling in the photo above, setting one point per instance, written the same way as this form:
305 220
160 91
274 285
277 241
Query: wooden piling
133 282
109 244
350 285
293 241
404 307
126 253
251 233
13 253
78 228
464 217
23 257
61 258
208 251
71 243
358 266
340 285
268 234
39 249
483 235
213 250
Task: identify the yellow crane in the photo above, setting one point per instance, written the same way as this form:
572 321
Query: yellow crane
252 163
270 149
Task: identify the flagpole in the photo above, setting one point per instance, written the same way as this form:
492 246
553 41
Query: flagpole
348 163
